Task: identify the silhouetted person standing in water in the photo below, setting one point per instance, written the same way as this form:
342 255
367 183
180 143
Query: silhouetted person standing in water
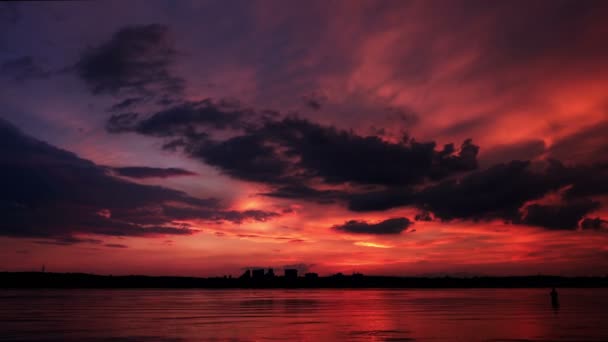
554 299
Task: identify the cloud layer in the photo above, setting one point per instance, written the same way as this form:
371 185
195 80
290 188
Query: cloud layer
52 193
314 134
137 59
150 172
389 226
298 159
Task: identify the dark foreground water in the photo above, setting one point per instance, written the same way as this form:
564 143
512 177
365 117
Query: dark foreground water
303 315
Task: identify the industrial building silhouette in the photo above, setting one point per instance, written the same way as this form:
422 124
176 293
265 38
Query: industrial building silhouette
258 274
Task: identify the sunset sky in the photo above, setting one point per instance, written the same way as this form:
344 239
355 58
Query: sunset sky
384 137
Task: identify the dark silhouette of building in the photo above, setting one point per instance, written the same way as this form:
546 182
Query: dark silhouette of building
311 275
270 273
291 273
246 275
258 274
38 279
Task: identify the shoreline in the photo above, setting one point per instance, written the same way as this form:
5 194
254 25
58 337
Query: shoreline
40 280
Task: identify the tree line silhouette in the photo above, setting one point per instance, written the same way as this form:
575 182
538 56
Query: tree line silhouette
310 280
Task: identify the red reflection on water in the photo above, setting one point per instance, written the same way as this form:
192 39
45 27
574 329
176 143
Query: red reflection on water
303 315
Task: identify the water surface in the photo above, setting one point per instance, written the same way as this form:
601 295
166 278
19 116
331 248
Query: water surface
303 315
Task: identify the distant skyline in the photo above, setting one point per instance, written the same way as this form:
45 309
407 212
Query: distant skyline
201 138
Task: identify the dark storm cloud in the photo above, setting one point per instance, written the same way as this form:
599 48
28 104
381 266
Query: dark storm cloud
151 172
499 192
23 69
247 157
51 193
296 150
137 59
594 223
587 181
290 154
424 216
303 192
390 226
379 200
563 216
291 150
186 119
